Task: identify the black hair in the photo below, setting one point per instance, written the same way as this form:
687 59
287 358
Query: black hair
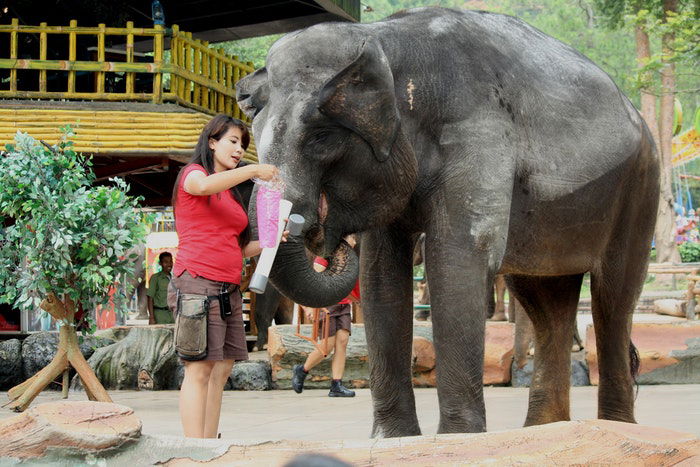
165 254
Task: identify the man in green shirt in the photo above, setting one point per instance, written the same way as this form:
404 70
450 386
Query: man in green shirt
158 310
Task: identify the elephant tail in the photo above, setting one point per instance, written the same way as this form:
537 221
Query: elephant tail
634 365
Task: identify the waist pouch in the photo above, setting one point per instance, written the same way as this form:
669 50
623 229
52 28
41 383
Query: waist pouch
192 319
191 326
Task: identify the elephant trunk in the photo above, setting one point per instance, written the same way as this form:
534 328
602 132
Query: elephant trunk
293 274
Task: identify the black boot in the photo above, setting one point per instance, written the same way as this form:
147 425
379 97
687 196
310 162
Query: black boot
338 390
298 377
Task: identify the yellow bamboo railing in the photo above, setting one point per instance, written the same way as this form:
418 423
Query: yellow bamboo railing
201 78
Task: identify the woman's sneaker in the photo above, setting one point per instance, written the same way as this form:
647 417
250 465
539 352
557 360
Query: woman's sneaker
338 390
298 377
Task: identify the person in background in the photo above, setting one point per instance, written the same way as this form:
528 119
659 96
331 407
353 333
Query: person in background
338 337
158 310
214 237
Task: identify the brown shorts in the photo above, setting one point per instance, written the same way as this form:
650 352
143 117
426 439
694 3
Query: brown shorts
340 319
225 338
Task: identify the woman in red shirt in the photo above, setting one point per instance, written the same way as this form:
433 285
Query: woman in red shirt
213 234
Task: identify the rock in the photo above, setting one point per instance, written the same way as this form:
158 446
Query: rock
115 333
39 349
11 372
670 307
522 377
423 354
587 442
668 352
144 359
286 350
498 352
70 426
251 375
425 379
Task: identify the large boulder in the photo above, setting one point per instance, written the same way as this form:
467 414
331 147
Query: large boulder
669 352
71 427
144 359
522 377
286 350
39 349
251 375
586 442
11 372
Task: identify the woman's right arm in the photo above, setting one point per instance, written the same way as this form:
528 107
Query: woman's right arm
197 183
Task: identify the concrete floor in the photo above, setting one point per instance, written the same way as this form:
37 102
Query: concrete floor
250 416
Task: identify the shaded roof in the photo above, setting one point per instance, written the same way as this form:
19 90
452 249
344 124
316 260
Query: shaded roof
210 20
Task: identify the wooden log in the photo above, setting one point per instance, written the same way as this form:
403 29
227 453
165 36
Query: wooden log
670 307
144 359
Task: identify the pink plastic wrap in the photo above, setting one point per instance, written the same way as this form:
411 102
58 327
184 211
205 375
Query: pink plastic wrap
268 209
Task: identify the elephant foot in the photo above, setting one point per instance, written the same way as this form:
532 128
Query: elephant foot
461 426
395 429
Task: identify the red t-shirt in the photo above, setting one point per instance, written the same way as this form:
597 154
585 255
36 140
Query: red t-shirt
355 292
208 228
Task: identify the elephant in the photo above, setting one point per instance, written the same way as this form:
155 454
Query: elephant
510 150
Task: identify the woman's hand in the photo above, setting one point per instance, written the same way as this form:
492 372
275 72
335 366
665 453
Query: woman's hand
266 172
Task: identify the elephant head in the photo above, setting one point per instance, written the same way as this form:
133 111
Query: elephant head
324 111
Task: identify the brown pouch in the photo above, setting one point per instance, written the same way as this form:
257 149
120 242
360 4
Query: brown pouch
191 326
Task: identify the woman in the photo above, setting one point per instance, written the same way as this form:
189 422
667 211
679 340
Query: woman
212 227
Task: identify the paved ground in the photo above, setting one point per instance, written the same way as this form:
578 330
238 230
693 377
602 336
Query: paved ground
250 415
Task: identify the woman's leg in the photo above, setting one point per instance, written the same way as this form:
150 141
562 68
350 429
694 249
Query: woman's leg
315 357
219 375
341 344
193 397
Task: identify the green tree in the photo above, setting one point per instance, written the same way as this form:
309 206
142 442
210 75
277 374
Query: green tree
65 244
673 24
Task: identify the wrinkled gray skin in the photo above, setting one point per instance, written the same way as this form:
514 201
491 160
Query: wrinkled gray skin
510 150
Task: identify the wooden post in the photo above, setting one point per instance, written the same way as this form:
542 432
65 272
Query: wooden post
236 77
130 56
101 58
72 46
14 53
42 56
221 79
66 383
197 69
205 72
158 61
175 61
185 85
229 107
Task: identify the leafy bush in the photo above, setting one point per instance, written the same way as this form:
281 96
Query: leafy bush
690 252
62 235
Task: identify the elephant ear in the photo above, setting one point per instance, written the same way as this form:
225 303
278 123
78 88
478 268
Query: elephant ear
252 92
361 98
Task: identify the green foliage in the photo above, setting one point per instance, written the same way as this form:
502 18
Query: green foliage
63 235
690 252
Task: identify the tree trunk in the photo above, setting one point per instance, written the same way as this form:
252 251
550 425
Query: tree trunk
665 227
648 99
68 353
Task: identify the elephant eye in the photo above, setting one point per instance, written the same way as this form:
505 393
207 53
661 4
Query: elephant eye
320 137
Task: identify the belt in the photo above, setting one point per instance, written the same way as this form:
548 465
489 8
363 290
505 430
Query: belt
161 308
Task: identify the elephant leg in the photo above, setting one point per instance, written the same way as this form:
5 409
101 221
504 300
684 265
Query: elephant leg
386 290
614 291
551 304
462 289
265 309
